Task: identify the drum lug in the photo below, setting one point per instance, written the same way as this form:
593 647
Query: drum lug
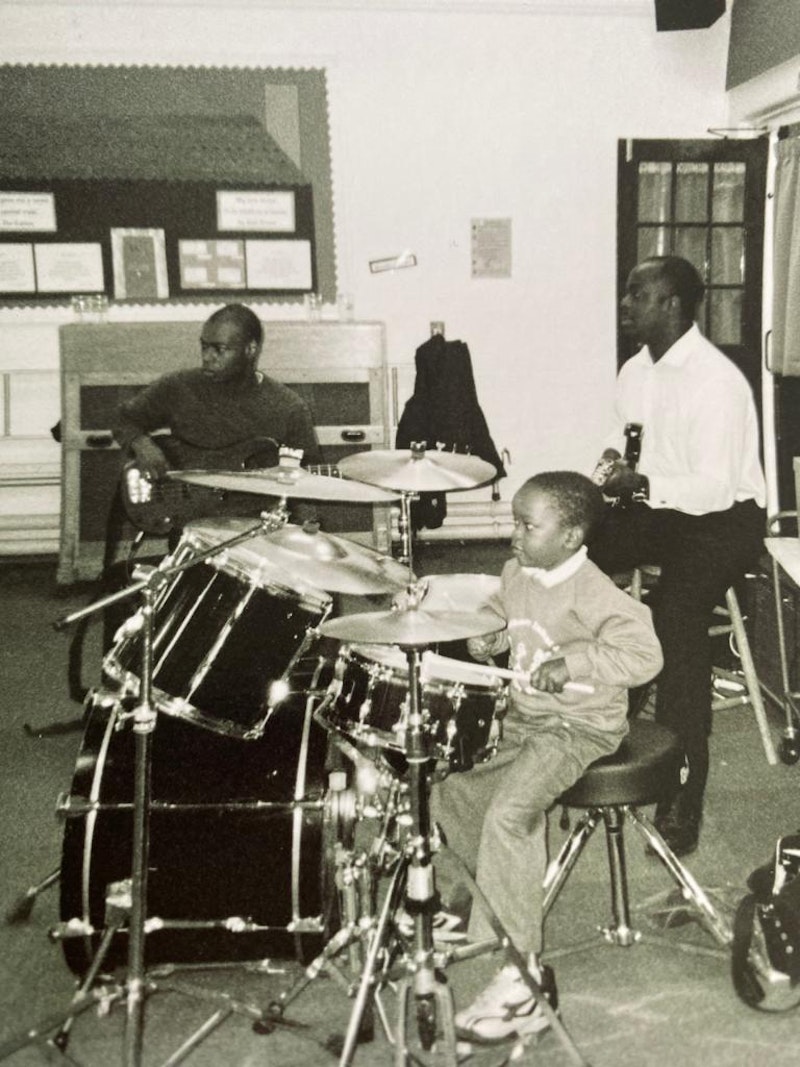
68 805
306 926
456 694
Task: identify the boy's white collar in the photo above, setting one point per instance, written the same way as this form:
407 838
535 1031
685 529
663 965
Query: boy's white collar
560 573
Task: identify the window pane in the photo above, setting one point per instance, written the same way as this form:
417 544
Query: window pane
652 241
690 242
655 185
727 204
727 255
691 192
725 319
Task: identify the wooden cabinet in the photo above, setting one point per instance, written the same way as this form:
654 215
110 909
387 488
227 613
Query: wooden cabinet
338 367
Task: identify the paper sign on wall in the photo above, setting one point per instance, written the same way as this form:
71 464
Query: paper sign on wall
265 212
491 248
27 213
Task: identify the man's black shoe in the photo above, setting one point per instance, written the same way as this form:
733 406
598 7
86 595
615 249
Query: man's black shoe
679 825
681 835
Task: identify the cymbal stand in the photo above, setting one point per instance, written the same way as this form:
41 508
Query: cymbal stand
143 717
356 875
404 527
424 989
433 1000
21 908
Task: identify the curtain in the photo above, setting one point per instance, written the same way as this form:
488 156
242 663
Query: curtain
785 357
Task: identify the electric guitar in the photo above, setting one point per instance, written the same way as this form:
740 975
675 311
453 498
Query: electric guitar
156 506
633 451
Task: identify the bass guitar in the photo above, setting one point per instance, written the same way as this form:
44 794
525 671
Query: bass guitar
156 506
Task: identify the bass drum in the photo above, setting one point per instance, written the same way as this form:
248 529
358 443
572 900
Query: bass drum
243 836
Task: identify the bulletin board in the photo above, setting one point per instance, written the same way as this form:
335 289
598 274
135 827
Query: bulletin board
154 240
164 183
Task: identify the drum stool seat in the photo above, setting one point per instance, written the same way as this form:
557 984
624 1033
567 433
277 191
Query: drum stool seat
640 772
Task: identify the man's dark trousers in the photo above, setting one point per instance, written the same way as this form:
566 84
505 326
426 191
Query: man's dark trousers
700 557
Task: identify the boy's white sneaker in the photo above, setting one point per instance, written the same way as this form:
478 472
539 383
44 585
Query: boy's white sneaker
507 1008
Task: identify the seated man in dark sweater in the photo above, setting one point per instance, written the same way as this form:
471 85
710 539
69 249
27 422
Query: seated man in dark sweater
219 411
223 415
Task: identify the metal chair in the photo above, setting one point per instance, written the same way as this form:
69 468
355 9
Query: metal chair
743 687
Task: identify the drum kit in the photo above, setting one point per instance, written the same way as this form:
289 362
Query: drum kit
249 700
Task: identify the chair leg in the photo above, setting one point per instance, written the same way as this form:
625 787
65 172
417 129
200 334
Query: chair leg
754 697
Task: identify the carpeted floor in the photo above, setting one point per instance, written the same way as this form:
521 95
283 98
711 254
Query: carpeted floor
668 999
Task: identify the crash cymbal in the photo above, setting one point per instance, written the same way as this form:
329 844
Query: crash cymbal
458 592
418 470
411 627
278 481
333 563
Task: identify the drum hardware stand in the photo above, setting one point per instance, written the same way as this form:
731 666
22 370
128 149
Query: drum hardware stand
356 879
20 910
423 988
413 876
136 986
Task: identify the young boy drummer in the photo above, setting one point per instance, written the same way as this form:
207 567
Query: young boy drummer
576 644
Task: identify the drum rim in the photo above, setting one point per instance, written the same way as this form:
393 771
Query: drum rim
480 678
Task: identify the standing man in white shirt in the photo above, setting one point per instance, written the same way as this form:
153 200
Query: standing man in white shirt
698 503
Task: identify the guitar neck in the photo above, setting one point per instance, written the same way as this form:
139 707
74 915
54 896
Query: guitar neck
633 444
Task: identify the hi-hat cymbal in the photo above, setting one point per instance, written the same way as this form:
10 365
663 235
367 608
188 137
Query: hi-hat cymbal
418 470
333 563
411 627
278 481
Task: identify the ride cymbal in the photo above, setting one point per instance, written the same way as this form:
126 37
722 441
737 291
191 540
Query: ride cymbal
283 482
333 563
418 470
411 627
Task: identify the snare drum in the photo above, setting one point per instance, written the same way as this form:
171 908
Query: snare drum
228 633
462 703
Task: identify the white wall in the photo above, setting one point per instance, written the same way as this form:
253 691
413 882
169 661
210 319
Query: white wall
438 118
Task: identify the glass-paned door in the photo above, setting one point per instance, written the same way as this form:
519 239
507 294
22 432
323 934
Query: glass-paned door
703 200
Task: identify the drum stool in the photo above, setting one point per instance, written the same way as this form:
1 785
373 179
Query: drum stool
747 683
610 791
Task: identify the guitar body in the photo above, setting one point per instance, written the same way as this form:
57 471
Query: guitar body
158 506
633 451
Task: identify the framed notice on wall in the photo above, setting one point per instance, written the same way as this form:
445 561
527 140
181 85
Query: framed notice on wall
139 257
278 264
212 264
17 273
74 267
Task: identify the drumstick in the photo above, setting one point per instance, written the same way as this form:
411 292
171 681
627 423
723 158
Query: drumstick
503 672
